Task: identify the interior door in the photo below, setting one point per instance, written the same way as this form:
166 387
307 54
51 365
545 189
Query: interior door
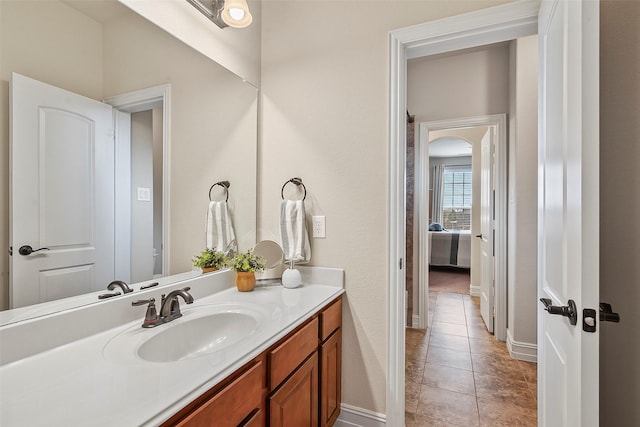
487 260
62 193
568 207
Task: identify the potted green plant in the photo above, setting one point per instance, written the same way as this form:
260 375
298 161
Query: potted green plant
245 264
210 260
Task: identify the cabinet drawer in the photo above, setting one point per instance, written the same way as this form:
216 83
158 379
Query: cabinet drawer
254 420
231 405
291 353
330 319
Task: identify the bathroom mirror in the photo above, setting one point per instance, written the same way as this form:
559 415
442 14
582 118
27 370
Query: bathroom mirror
101 49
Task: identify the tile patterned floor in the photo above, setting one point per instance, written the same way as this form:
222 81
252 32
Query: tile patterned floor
457 374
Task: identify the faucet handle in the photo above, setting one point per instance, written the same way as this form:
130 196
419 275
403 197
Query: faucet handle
122 285
144 301
151 318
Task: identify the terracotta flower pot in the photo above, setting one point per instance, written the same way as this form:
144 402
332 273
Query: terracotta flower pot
209 269
245 281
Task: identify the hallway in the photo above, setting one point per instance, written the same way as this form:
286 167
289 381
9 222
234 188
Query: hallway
458 375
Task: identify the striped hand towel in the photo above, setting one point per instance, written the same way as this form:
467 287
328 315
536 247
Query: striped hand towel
220 228
293 231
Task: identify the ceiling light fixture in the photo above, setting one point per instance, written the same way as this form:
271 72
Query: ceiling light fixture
225 13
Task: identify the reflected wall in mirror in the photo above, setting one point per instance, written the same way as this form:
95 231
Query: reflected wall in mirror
101 49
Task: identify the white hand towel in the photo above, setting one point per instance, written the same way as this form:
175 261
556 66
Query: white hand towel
293 231
220 228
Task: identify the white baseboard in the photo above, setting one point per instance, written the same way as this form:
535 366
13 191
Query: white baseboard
522 350
474 290
415 321
350 416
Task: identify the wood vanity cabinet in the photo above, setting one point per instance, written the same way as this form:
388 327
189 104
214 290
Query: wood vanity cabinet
238 401
330 363
295 383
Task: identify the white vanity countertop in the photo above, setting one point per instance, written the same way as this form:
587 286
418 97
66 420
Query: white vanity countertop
82 384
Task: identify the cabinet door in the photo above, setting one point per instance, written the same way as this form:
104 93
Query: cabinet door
295 403
231 405
330 379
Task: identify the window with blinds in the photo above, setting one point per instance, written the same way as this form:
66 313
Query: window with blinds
456 198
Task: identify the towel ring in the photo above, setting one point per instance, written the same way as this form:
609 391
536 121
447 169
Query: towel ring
296 181
225 185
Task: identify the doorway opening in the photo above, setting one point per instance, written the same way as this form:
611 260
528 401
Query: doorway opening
142 123
480 28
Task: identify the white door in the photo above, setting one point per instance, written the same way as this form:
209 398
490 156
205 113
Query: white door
486 231
62 193
568 207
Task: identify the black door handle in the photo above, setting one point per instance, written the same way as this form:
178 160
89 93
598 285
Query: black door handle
479 236
28 250
569 310
607 314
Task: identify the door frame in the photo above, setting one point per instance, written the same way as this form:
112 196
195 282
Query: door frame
499 123
133 102
482 27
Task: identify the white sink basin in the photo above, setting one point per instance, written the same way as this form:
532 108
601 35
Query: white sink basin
200 331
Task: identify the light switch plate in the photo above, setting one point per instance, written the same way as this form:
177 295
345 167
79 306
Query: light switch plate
144 194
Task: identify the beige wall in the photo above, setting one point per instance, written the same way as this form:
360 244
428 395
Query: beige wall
324 118
455 85
523 196
213 129
214 113
38 40
236 49
620 211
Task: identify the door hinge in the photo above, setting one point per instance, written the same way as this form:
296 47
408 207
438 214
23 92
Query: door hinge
10 250
400 264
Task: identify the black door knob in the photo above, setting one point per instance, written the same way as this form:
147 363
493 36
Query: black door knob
569 310
28 250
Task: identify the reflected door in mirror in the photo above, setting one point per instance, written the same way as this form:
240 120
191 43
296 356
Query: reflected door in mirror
62 167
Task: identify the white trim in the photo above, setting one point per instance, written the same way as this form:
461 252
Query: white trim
415 322
351 416
396 229
141 100
122 199
522 350
474 290
492 25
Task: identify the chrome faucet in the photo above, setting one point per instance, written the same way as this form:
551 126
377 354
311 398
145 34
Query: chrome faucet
170 306
119 283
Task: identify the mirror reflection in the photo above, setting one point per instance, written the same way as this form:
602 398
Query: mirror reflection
103 51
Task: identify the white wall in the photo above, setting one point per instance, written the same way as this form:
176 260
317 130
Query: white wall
47 32
236 49
523 199
620 211
324 118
